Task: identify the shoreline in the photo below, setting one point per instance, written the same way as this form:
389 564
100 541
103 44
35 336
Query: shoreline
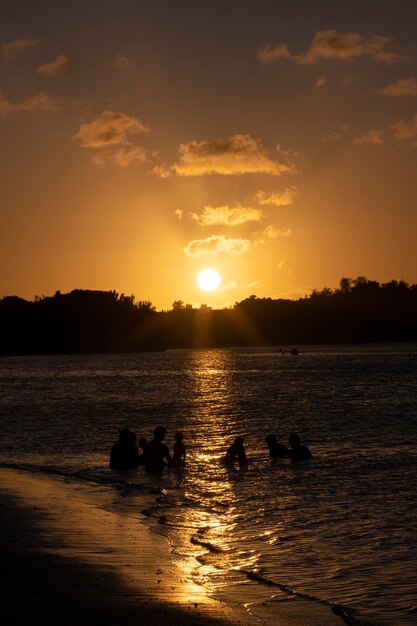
68 556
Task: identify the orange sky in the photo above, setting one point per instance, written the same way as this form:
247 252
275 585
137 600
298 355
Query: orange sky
274 141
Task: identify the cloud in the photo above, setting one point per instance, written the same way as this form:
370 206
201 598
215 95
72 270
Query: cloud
266 54
329 44
352 78
405 130
54 67
402 87
41 102
109 128
280 265
13 48
121 61
179 213
238 154
227 216
230 285
372 137
217 244
123 157
270 232
336 135
320 81
283 198
387 57
273 233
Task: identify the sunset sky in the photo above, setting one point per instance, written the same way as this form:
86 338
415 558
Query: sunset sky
141 142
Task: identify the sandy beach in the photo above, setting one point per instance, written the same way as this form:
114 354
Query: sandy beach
68 559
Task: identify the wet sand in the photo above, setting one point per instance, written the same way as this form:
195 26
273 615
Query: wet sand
69 556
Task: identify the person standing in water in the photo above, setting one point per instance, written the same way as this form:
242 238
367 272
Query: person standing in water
236 452
124 453
276 450
178 458
157 452
298 452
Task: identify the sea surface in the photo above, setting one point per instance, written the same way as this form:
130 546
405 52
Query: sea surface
338 530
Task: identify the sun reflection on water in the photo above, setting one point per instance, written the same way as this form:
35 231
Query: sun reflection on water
207 524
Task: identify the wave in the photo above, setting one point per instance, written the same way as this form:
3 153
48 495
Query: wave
87 475
195 540
347 615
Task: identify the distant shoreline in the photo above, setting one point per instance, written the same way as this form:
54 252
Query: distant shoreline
286 349
101 322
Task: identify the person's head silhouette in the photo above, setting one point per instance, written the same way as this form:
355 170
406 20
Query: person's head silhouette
270 440
294 440
127 437
160 433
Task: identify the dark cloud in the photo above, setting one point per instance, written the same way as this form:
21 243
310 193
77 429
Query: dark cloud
371 137
329 44
402 87
405 130
238 154
13 48
109 128
121 61
55 67
40 102
123 157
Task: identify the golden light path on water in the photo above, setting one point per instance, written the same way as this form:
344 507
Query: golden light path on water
213 522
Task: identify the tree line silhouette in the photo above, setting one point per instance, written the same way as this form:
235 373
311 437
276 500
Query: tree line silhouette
87 321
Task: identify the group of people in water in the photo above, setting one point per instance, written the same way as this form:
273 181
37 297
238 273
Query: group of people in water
155 454
296 451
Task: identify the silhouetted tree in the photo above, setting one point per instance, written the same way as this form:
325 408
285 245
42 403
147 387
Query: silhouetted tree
345 285
104 321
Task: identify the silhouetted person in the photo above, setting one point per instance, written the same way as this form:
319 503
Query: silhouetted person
157 453
236 452
298 452
124 453
178 458
276 450
143 445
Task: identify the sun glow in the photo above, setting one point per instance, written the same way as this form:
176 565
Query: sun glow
209 280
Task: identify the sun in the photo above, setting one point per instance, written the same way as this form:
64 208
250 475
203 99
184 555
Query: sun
208 280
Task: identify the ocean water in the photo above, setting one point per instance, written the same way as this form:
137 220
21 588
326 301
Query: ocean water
339 530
